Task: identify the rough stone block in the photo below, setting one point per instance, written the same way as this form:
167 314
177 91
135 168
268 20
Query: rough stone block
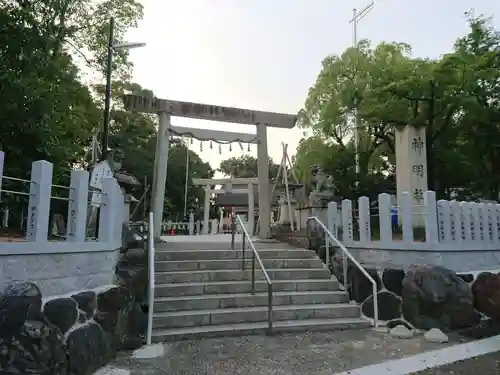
31 345
62 312
87 302
89 347
34 339
434 297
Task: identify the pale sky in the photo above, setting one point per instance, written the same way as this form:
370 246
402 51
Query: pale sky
266 54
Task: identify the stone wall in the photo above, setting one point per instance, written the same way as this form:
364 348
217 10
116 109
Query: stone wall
423 296
61 272
74 333
420 289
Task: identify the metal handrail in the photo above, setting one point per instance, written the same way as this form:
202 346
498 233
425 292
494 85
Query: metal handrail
345 252
255 256
151 277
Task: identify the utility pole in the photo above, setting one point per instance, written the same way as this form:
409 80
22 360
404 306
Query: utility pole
107 95
357 16
112 47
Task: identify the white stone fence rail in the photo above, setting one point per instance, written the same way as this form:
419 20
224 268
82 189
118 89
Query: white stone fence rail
37 241
431 225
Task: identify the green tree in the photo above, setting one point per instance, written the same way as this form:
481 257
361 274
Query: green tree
176 179
338 162
245 166
135 135
45 112
452 97
478 55
81 25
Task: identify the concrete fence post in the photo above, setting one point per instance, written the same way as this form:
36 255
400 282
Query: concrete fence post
191 223
37 226
78 205
108 212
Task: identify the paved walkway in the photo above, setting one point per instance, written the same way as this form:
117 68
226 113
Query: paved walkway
488 364
301 354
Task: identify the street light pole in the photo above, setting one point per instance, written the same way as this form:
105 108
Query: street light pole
355 19
107 95
109 69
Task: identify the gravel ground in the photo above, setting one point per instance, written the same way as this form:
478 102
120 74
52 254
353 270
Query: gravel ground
488 364
301 354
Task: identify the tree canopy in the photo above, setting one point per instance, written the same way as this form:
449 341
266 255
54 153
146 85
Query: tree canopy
245 166
48 112
455 97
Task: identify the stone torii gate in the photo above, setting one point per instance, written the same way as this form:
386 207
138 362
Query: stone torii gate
166 108
227 183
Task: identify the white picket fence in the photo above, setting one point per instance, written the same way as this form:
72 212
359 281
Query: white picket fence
448 225
40 195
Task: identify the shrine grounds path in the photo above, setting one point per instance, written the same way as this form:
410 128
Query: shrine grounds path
290 354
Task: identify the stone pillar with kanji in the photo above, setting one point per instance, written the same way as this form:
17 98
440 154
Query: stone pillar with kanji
411 169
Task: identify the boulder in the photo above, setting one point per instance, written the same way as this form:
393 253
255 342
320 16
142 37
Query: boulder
401 332
89 348
23 301
389 306
113 308
30 344
132 269
137 325
436 336
62 312
393 280
435 297
358 285
486 291
87 302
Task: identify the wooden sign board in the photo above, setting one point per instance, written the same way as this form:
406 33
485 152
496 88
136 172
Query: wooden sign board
200 111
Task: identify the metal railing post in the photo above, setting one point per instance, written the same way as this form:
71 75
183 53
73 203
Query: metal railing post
344 266
270 308
255 259
327 250
243 253
233 231
253 273
346 257
151 277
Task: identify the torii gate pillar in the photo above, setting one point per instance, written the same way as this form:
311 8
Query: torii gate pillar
263 174
160 171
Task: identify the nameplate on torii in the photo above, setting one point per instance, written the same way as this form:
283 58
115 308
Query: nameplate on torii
136 103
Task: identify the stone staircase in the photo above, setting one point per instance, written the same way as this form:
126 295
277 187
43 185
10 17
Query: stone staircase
204 292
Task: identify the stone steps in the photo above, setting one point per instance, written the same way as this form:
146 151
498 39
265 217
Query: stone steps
310 325
239 275
219 245
217 264
221 287
194 255
190 318
201 290
238 300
